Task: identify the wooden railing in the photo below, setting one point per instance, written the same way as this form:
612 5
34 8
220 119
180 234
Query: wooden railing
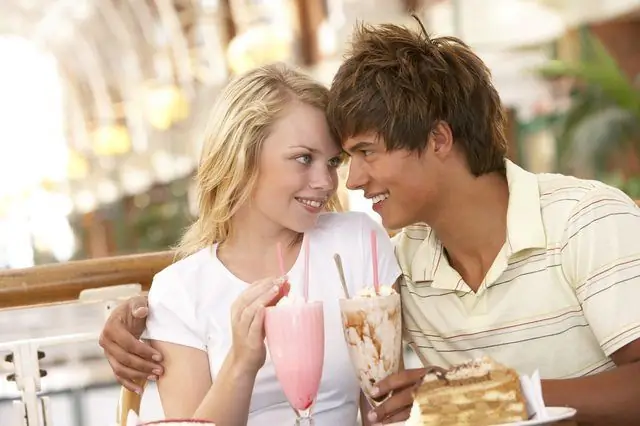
64 281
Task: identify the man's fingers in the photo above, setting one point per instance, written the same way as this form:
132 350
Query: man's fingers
397 381
138 306
398 417
434 369
396 404
134 362
136 347
133 387
125 373
140 312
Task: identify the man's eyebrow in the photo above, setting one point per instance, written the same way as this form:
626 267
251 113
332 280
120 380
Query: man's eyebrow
360 145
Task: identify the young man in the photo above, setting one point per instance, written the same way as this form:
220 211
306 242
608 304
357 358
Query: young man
535 271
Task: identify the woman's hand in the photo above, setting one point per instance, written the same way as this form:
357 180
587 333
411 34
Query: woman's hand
247 321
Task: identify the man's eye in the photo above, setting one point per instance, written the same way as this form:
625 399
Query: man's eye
304 159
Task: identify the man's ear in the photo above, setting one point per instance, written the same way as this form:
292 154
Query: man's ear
441 139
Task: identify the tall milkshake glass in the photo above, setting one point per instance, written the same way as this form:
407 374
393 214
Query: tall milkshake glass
295 339
372 327
372 324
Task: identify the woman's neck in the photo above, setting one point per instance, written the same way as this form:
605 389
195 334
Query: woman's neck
251 250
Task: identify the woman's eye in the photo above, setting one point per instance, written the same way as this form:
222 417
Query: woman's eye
304 159
366 153
335 162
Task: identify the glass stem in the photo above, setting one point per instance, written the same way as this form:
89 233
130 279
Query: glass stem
304 418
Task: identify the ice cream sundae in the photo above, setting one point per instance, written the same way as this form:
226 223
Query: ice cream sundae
372 329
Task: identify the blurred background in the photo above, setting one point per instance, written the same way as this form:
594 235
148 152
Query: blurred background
102 104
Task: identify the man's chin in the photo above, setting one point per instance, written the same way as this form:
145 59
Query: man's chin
394 223
389 223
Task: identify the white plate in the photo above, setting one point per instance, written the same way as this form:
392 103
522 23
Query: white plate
555 414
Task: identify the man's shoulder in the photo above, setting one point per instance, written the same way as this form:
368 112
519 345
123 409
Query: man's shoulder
561 196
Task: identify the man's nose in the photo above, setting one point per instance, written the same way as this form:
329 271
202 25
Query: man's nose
356 179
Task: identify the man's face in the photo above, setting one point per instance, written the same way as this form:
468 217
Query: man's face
400 183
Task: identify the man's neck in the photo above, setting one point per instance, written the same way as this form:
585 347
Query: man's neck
471 223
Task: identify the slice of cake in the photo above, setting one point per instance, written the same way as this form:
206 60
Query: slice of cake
479 393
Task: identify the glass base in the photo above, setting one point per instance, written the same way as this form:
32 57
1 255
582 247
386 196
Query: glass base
304 417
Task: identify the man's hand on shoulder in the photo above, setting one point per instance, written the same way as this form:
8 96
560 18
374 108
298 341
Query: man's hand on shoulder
131 360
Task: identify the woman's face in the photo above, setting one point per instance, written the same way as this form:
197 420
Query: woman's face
297 169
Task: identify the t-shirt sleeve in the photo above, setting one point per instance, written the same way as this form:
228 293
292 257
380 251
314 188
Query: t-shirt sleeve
388 269
172 316
601 259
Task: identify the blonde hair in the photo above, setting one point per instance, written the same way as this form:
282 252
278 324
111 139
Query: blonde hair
240 122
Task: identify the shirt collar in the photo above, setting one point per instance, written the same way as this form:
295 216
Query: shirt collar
525 230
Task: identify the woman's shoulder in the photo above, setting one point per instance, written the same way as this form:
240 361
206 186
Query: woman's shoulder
186 273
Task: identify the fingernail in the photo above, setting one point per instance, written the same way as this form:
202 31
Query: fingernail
152 378
138 391
139 311
372 416
157 357
157 371
375 392
281 280
275 289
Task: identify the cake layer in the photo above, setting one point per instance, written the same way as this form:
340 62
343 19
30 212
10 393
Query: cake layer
478 419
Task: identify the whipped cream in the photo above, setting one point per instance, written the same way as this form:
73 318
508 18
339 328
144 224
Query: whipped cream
473 369
385 290
290 299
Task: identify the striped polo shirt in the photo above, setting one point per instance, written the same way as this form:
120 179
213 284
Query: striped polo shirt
562 295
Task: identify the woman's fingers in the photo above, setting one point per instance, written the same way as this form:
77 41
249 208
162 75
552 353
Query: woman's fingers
258 290
248 314
256 329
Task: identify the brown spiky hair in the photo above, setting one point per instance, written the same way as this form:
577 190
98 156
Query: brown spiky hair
399 83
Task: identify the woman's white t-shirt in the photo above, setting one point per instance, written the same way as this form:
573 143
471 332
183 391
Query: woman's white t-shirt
190 303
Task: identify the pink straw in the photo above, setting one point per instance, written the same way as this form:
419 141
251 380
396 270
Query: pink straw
306 269
374 255
281 260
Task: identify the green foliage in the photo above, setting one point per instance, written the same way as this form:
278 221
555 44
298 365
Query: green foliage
604 116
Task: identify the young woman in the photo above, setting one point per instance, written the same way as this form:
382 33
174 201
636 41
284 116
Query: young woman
267 176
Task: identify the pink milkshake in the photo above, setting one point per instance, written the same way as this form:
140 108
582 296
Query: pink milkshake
295 338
